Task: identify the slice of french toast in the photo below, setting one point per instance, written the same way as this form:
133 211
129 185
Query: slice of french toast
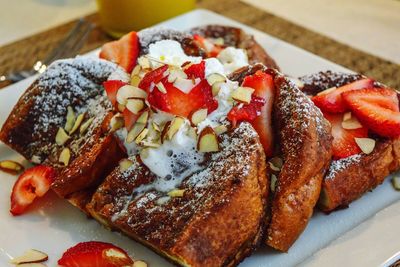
218 219
236 37
33 126
350 177
305 148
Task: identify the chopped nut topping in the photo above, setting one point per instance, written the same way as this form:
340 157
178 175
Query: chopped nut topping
85 125
70 119
176 193
11 167
77 123
61 137
65 156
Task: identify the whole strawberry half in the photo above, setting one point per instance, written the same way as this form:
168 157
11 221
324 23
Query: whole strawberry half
123 52
259 111
95 254
331 100
377 109
153 76
344 144
32 183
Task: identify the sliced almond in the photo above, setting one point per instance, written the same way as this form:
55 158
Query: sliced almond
134 132
77 123
351 124
135 80
208 141
215 88
273 167
192 133
136 70
176 193
198 116
129 91
396 182
142 135
215 78
30 256
346 116
366 145
139 264
121 107
11 167
156 127
125 164
143 117
160 86
219 41
176 124
175 73
186 85
61 137
165 130
65 156
144 62
150 144
327 91
242 94
85 125
220 129
70 119
274 179
116 255
135 105
116 123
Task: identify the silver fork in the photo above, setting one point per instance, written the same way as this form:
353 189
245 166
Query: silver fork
66 48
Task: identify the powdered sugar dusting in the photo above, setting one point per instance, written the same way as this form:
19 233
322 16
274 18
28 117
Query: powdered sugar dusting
340 165
155 34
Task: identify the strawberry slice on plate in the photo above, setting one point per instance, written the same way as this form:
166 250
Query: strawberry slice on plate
259 111
196 70
377 109
95 254
32 183
331 100
176 102
153 76
344 144
112 87
123 52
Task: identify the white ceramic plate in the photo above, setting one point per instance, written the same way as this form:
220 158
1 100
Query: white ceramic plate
53 225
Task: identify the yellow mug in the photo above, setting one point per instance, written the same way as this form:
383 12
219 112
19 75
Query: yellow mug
122 16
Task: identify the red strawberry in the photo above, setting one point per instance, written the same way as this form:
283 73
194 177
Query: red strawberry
331 100
259 111
344 144
112 88
129 118
32 183
178 103
196 70
153 76
377 109
124 51
95 254
212 49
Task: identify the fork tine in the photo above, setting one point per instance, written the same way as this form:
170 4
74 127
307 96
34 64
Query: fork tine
54 54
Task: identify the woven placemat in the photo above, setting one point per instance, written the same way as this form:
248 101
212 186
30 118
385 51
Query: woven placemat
24 53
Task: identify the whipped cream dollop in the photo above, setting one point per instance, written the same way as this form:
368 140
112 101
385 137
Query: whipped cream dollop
233 58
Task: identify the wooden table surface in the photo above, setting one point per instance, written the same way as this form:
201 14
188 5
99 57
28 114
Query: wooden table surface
24 53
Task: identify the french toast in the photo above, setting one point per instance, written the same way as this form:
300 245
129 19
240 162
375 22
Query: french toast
349 177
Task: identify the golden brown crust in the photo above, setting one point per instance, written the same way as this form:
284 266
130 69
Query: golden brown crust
231 193
349 178
238 38
306 147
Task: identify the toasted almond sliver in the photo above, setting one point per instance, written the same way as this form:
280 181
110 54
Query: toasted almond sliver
347 116
125 164
30 256
176 193
135 80
242 94
143 117
215 88
116 123
208 141
160 86
135 105
274 179
136 70
70 119
134 132
176 124
351 124
214 78
220 129
77 123
142 135
139 264
65 156
61 137
11 167
198 116
396 182
366 145
85 125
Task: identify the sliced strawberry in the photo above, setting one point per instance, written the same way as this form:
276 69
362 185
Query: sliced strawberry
331 100
111 88
196 70
260 115
211 48
32 183
95 254
129 118
344 144
153 76
377 109
123 52
178 103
